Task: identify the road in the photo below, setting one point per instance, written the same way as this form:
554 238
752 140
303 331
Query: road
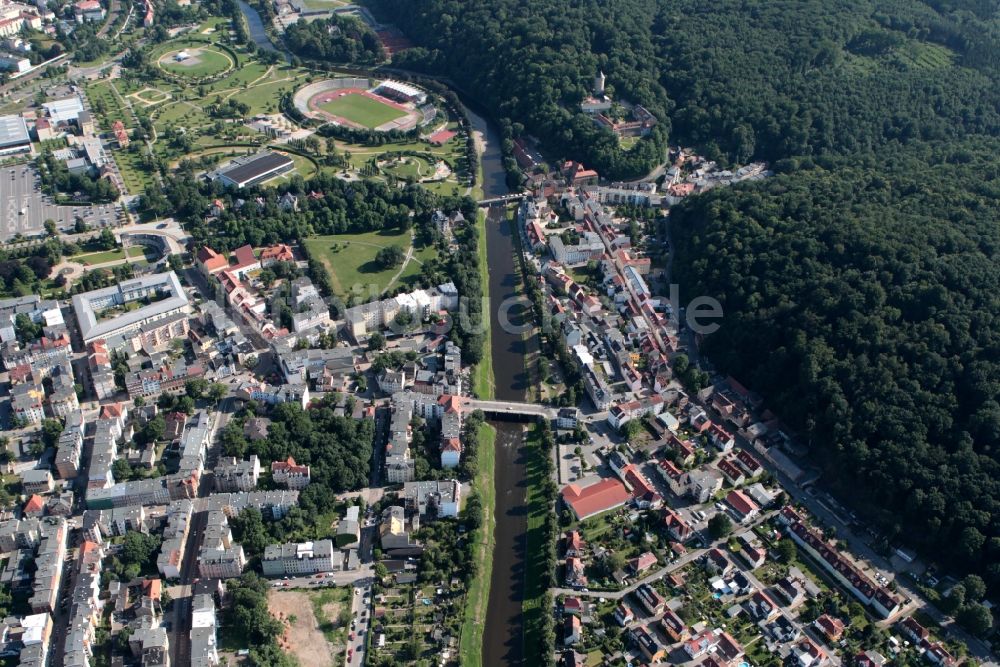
180 615
691 556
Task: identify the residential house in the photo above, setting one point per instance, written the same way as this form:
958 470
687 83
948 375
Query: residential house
673 627
640 564
573 630
650 600
761 607
830 627
742 507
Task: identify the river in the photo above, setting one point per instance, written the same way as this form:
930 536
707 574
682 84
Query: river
503 635
255 26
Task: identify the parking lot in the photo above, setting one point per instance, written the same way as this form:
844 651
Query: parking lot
24 209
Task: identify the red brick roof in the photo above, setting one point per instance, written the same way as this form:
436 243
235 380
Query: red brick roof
596 498
244 256
211 260
35 504
741 503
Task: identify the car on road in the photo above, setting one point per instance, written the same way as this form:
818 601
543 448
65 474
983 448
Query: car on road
162 225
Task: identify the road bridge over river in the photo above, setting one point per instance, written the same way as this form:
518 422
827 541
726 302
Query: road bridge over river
511 410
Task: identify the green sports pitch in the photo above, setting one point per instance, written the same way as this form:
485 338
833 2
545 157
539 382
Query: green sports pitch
362 110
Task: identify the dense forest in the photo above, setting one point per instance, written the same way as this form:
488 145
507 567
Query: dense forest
859 284
339 39
860 298
740 78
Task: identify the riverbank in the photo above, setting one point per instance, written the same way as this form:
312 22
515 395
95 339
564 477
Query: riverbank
483 382
539 635
470 646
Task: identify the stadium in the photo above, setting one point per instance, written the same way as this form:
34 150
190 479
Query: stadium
365 104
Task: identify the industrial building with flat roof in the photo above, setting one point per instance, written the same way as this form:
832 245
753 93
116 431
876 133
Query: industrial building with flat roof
247 171
14 135
165 288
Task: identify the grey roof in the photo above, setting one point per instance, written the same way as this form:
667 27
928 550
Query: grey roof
91 329
13 131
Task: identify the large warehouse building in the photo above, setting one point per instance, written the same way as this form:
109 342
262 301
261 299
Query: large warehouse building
246 171
14 136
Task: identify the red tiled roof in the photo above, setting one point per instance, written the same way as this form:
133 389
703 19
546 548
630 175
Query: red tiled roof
244 256
281 252
34 504
111 410
832 627
604 495
211 260
450 403
741 503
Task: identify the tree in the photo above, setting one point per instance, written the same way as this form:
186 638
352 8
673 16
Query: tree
196 387
51 430
139 548
121 470
152 431
50 227
217 391
975 618
720 525
107 239
787 550
376 341
954 601
975 587
185 404
632 429
250 531
390 257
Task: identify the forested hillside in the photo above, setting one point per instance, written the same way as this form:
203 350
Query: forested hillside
861 298
741 79
860 284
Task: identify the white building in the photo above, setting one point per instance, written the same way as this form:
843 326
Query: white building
297 559
98 311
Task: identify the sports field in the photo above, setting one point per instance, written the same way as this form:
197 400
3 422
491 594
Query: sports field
361 109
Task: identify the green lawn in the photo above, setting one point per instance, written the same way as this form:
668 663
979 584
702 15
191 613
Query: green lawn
470 645
362 110
90 259
107 104
203 62
350 259
410 166
483 379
